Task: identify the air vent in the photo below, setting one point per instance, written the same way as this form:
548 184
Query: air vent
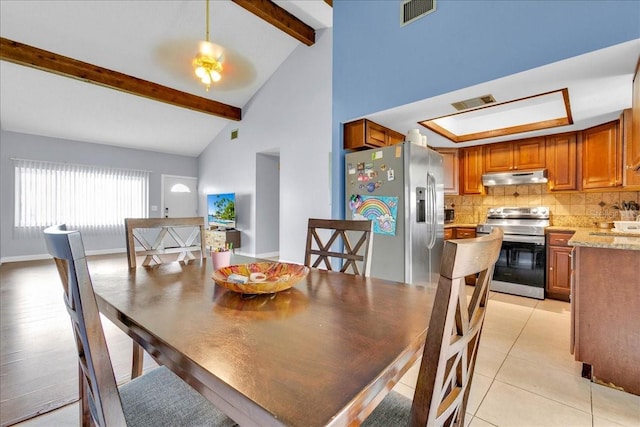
474 102
234 134
410 10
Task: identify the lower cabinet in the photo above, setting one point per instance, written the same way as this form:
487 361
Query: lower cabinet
559 265
220 238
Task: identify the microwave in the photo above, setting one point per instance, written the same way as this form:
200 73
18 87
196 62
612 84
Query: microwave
449 216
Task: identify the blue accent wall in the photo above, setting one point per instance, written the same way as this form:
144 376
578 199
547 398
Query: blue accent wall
377 64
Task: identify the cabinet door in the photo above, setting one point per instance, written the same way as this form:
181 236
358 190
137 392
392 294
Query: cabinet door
450 169
633 159
471 170
559 272
498 157
529 154
601 157
376 135
631 149
394 137
448 233
561 152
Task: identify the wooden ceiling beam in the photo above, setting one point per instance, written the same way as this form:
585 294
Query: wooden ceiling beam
33 57
280 18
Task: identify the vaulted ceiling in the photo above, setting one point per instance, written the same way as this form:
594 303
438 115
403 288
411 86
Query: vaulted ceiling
143 49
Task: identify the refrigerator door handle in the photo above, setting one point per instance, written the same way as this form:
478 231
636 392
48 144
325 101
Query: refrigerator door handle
431 186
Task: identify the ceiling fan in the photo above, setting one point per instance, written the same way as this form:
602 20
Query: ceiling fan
206 62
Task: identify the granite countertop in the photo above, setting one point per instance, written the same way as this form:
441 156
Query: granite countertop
603 238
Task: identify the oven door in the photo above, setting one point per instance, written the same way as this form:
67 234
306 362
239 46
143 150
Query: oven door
521 267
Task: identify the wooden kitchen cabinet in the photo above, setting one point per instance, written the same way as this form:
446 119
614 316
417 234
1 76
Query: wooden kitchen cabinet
601 156
219 238
448 233
450 169
632 159
605 303
515 155
631 152
471 170
562 161
465 233
559 265
363 133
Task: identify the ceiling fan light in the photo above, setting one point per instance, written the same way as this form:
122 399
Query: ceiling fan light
215 76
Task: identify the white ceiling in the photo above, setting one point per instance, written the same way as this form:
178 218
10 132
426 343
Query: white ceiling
151 40
599 84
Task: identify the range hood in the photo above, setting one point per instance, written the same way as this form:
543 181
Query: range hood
514 178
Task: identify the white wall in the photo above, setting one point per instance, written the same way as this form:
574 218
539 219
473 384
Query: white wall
291 114
267 227
25 146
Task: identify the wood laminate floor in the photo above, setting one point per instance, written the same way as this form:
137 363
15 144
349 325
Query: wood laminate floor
38 362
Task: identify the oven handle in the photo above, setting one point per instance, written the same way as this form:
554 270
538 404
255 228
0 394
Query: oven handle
518 238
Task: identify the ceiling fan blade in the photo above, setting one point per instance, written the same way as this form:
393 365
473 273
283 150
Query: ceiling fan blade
176 56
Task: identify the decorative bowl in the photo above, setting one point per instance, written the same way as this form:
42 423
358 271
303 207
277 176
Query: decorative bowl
260 277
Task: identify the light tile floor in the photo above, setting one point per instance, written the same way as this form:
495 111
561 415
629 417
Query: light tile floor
525 375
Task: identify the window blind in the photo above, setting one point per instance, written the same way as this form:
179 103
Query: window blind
92 199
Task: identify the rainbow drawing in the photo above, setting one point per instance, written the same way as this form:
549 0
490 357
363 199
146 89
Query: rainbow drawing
382 210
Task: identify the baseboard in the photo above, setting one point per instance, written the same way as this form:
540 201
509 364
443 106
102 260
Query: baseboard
268 255
38 257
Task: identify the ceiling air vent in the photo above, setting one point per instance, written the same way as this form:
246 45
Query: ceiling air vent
410 10
474 102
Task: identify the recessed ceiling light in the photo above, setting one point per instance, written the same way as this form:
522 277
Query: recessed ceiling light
536 112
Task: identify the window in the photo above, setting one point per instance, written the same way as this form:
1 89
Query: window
88 198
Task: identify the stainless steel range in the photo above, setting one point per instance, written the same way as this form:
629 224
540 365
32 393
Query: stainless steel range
521 268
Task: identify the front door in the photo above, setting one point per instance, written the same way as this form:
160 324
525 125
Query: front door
180 196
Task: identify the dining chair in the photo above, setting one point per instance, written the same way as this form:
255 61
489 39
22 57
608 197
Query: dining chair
157 398
152 251
451 346
341 233
169 228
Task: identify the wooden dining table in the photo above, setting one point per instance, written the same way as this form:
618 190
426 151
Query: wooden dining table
323 353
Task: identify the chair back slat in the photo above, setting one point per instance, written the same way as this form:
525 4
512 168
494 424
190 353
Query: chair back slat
442 389
98 384
355 257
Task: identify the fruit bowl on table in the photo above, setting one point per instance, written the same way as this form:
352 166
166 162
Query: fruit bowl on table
260 277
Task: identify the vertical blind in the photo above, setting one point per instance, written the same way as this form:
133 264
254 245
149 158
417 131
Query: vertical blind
89 198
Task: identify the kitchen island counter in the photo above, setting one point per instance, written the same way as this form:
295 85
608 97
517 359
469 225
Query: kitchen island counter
603 238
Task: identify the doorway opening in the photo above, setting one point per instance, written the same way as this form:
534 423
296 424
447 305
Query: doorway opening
268 204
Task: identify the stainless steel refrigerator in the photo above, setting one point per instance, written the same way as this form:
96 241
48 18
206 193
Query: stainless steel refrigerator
400 188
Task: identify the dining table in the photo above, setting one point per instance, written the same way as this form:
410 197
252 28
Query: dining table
323 353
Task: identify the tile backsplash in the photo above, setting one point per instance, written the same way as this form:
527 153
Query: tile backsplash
576 209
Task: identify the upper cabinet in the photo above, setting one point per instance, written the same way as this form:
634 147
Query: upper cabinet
450 169
632 135
471 170
561 153
601 154
630 152
364 133
515 155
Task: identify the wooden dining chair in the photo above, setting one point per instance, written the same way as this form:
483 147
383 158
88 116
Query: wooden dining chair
168 227
157 398
343 232
183 247
451 346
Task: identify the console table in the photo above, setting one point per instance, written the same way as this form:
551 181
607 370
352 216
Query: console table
219 238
